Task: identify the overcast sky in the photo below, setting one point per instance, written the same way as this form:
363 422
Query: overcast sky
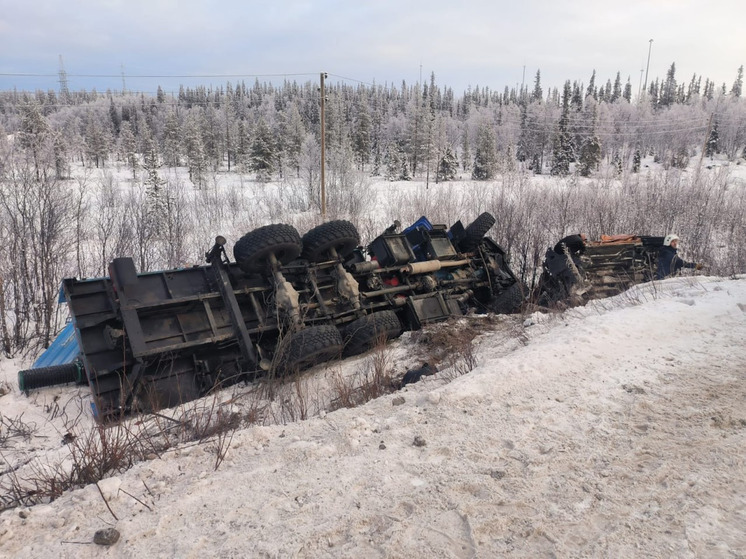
464 42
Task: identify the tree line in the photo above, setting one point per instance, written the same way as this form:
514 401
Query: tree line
420 130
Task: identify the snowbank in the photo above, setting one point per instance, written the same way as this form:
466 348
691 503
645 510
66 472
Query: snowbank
617 430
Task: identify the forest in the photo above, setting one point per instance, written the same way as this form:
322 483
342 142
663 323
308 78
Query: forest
86 176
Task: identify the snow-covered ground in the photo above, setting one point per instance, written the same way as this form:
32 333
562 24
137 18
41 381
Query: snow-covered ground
614 430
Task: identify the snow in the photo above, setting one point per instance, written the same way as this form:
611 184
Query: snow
616 429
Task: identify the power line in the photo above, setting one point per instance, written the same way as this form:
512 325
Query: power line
33 75
353 80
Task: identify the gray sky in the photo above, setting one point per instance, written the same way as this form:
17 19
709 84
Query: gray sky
465 42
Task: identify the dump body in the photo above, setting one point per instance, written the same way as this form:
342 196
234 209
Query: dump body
155 339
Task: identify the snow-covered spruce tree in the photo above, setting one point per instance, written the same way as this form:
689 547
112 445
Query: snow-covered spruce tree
393 163
195 152
292 134
96 141
361 142
536 165
737 88
532 136
128 147
377 159
262 157
172 141
34 134
590 155
537 94
416 132
465 149
669 88
154 184
592 91
448 166
404 169
485 154
562 148
712 146
590 147
636 160
616 92
213 136
628 90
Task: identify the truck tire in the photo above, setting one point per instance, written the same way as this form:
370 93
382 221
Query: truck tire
511 300
339 234
364 333
252 251
309 347
476 231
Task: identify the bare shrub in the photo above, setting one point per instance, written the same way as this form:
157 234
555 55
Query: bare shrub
94 454
343 391
373 380
15 428
461 360
441 344
206 418
293 401
378 378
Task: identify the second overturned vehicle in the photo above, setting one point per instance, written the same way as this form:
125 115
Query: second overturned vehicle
577 270
156 339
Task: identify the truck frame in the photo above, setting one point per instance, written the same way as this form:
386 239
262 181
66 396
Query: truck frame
157 339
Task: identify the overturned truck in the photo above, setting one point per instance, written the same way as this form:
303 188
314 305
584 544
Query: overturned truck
156 339
576 270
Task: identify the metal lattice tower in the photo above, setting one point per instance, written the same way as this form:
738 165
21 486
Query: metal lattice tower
64 91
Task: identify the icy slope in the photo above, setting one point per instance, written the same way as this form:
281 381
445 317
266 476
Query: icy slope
617 430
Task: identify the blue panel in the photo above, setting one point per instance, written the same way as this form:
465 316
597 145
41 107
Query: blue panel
422 222
64 349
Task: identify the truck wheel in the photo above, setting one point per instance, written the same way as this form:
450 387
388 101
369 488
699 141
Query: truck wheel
310 346
339 234
476 231
363 333
511 300
253 250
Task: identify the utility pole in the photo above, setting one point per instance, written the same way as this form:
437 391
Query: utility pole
650 48
639 92
323 145
523 80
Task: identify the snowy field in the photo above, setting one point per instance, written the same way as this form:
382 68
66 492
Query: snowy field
613 430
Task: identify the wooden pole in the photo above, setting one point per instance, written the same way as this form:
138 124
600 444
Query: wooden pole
323 147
